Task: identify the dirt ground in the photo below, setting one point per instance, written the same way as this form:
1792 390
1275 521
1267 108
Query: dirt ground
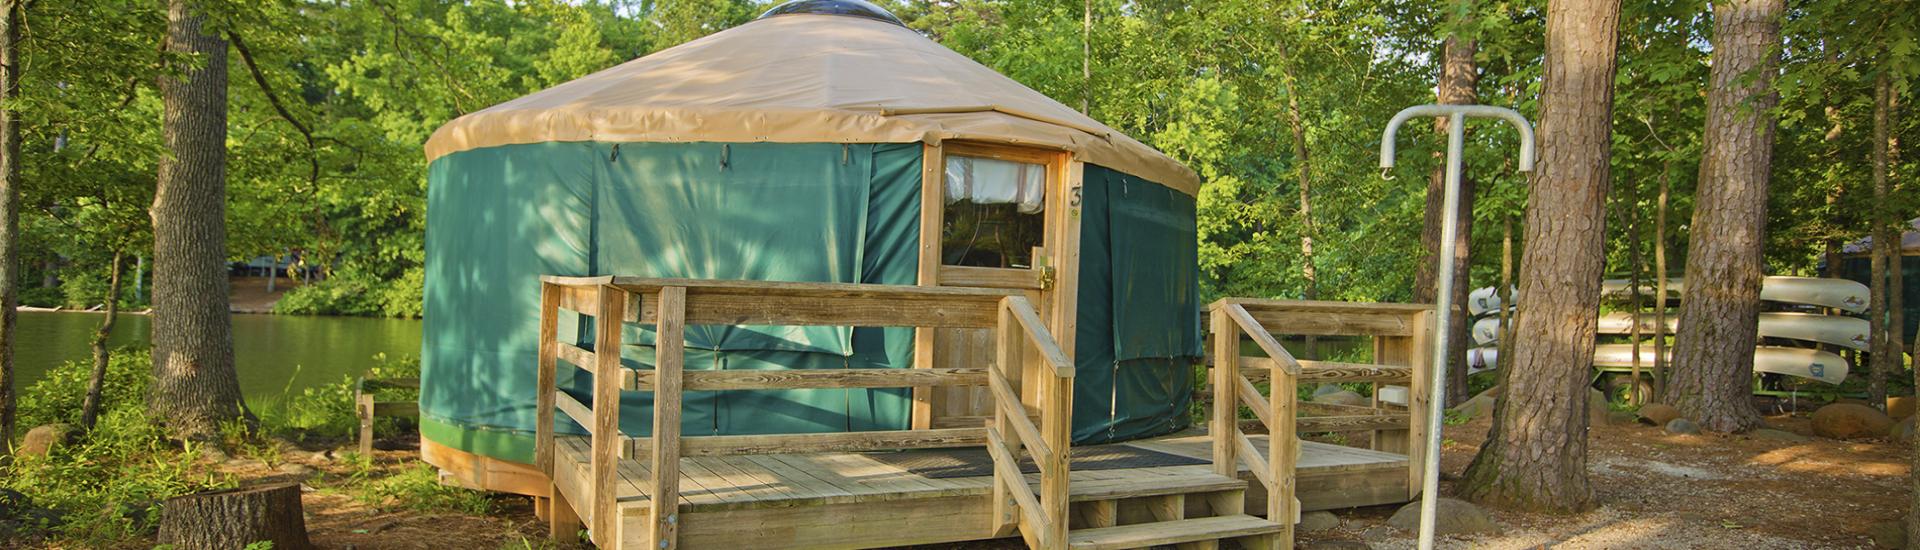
1655 490
1658 490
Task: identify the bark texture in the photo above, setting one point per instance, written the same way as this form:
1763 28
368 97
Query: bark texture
1535 456
235 518
1458 79
195 387
9 211
1720 315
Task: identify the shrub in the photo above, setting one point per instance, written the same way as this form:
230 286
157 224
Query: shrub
327 410
347 294
108 487
57 396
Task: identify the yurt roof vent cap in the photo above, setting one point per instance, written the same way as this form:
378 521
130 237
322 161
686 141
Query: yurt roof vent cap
850 8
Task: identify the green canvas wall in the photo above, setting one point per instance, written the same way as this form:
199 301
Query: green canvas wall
500 217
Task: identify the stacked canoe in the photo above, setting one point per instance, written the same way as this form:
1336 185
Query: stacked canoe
1782 327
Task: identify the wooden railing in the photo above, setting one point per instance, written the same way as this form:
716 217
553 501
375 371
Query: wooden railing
1042 518
672 304
1400 331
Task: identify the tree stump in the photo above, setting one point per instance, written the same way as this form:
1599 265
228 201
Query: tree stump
233 518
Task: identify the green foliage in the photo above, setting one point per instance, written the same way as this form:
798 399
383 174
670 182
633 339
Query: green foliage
418 488
326 411
56 397
108 486
357 295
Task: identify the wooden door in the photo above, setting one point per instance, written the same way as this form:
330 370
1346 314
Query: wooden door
979 230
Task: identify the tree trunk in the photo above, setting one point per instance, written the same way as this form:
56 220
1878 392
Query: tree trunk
1456 87
1885 250
1303 174
9 211
90 405
1660 374
1535 456
1638 262
1504 358
195 387
1720 316
234 518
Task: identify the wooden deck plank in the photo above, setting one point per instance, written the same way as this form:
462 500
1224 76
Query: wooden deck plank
1330 476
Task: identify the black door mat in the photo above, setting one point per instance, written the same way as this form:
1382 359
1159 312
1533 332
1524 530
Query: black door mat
976 462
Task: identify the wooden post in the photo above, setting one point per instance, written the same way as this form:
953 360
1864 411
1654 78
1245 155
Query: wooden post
1054 478
1283 451
1226 365
933 166
546 383
669 360
606 415
363 408
1419 353
1006 365
563 523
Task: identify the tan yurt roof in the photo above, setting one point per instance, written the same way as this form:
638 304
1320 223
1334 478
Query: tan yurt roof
805 78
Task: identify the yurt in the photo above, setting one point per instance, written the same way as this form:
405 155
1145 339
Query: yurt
825 142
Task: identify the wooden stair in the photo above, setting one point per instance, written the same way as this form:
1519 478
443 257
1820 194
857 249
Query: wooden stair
1201 530
1193 511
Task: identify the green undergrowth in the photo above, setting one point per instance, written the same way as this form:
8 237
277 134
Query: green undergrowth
104 487
325 413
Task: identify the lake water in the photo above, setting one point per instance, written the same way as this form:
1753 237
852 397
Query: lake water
271 352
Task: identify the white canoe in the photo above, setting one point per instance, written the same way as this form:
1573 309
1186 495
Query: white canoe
1805 363
1850 332
1835 293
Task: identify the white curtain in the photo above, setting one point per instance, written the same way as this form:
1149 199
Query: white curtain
991 181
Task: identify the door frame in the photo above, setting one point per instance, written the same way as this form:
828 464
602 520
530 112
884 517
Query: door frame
1052 282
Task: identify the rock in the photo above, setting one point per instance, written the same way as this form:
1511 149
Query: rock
1325 389
1850 420
1598 413
1318 521
1682 426
1658 413
41 440
1344 397
1902 431
1900 406
1481 405
1888 534
1778 435
1451 517
1621 418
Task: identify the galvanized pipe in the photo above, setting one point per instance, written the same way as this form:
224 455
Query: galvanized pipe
1437 395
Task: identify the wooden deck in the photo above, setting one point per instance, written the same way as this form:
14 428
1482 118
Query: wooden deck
754 500
821 491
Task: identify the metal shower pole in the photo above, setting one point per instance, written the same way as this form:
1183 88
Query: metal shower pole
1456 140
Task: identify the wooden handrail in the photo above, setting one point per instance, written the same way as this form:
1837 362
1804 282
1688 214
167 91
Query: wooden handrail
1037 335
1264 339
